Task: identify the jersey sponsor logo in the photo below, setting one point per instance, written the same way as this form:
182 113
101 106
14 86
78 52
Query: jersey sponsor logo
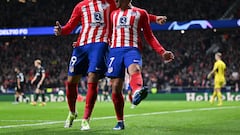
98 16
98 19
123 22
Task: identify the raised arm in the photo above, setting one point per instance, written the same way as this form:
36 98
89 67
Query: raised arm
71 24
157 19
152 41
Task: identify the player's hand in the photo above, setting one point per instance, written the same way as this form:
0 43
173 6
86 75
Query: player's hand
57 29
208 76
168 56
161 19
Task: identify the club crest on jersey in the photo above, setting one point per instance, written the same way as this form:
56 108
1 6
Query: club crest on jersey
84 8
110 69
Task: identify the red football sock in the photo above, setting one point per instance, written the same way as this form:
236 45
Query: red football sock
72 93
90 99
118 102
136 82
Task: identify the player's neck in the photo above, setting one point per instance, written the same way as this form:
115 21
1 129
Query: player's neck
124 6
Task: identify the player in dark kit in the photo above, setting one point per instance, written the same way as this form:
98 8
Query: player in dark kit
38 80
20 85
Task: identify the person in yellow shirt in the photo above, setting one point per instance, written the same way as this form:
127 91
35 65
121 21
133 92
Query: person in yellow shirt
219 70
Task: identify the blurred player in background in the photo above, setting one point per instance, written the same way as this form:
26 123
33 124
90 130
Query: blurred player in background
218 70
128 23
20 82
104 85
38 81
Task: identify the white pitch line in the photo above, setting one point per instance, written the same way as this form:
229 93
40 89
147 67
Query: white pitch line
25 120
130 115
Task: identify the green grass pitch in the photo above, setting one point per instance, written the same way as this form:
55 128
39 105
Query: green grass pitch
149 118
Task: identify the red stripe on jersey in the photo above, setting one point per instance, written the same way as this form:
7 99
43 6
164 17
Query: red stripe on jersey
115 19
97 27
131 30
89 20
140 31
107 21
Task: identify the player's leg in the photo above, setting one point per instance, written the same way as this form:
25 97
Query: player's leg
97 68
22 93
42 91
116 71
16 96
219 95
133 62
24 97
118 101
37 92
217 92
71 93
129 92
90 99
77 68
213 96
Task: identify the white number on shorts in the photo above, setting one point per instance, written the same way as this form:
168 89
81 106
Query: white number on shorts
73 60
111 61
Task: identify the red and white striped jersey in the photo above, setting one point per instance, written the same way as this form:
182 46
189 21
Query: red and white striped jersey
127 26
94 15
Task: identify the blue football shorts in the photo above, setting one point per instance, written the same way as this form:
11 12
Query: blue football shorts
121 58
89 58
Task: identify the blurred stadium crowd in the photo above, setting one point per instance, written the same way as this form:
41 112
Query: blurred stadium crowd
194 50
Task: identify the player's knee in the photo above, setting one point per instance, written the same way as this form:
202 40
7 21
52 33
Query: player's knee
74 79
134 68
93 77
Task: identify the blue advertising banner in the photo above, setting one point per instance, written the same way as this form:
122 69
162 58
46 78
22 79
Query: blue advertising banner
188 25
